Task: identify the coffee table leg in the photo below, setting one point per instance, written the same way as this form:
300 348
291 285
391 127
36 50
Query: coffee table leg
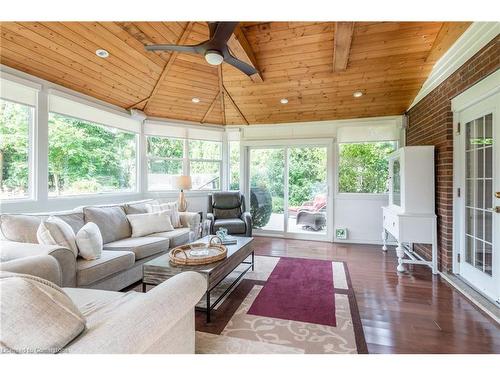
208 306
253 261
143 288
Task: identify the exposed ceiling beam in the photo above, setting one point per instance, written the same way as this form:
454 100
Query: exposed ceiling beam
235 105
221 93
241 49
167 67
342 45
210 108
448 34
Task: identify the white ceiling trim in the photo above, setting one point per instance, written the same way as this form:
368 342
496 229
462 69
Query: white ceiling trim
470 42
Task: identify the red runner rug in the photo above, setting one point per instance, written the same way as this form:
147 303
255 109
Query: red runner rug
300 290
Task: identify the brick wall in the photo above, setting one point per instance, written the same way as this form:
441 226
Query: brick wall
430 122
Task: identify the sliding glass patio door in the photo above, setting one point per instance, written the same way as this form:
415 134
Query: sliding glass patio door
289 190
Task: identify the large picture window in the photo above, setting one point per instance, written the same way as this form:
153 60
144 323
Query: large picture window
363 168
89 158
16 121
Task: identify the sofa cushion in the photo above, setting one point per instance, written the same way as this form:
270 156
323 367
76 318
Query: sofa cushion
110 262
149 223
89 241
142 247
177 237
138 207
20 228
54 231
234 226
36 315
112 222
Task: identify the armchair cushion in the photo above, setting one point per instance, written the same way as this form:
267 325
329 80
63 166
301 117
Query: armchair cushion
234 226
37 316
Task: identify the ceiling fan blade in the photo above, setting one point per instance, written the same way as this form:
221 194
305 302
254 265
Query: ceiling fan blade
223 32
212 26
173 47
238 64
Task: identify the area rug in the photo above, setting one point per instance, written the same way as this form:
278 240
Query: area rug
250 321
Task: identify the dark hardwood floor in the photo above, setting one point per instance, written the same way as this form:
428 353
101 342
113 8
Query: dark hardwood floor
414 312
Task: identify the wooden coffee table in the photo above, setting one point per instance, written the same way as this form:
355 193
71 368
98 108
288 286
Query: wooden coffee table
160 269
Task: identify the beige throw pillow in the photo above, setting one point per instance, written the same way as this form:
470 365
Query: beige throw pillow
36 315
55 231
89 241
144 224
172 206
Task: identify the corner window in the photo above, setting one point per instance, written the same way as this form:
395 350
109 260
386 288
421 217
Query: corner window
205 164
16 122
89 158
165 162
363 168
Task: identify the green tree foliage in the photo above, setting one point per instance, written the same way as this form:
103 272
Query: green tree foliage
363 167
87 157
15 120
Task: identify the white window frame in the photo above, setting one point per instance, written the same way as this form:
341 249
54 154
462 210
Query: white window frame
350 195
219 161
148 158
117 193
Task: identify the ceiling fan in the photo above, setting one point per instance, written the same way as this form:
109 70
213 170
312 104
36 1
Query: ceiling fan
214 49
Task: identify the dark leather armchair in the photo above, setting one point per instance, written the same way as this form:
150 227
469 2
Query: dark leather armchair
226 209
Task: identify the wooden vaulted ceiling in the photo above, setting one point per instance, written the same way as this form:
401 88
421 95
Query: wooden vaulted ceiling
315 65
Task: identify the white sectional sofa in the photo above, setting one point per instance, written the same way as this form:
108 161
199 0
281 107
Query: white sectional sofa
120 264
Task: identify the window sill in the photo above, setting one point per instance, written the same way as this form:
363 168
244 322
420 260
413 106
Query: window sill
95 195
362 196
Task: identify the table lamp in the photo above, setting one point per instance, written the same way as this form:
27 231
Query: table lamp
183 183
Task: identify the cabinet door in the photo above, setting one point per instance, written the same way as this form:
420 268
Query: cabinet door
395 184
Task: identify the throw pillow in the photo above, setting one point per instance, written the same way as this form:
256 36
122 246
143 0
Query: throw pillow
144 224
172 206
37 316
55 231
89 241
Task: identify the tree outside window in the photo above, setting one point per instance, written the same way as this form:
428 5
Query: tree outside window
363 167
16 120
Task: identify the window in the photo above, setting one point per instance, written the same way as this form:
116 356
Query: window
363 167
205 159
16 122
87 158
165 159
234 165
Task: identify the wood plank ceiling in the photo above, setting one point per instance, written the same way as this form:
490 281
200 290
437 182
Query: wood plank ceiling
316 66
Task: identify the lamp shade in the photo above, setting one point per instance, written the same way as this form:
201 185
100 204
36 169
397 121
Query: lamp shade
184 182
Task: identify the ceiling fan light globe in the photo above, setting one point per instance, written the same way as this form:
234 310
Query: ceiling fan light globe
214 57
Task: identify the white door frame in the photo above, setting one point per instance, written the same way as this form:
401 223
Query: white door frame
483 90
286 144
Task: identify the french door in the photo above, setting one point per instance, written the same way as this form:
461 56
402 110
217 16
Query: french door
288 190
480 235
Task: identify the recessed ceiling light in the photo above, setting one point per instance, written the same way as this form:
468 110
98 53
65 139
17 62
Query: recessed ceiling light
357 94
195 100
284 101
102 53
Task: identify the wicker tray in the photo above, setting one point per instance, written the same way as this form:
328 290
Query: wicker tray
182 255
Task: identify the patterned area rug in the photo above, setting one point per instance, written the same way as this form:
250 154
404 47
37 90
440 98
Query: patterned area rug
237 330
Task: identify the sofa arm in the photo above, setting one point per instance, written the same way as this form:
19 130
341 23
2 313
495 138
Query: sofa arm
148 319
43 266
65 257
247 218
190 220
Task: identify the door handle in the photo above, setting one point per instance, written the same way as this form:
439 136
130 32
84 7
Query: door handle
497 194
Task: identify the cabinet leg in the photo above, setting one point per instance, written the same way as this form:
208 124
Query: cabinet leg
384 240
400 253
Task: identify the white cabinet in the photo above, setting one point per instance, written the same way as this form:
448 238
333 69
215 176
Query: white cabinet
410 216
